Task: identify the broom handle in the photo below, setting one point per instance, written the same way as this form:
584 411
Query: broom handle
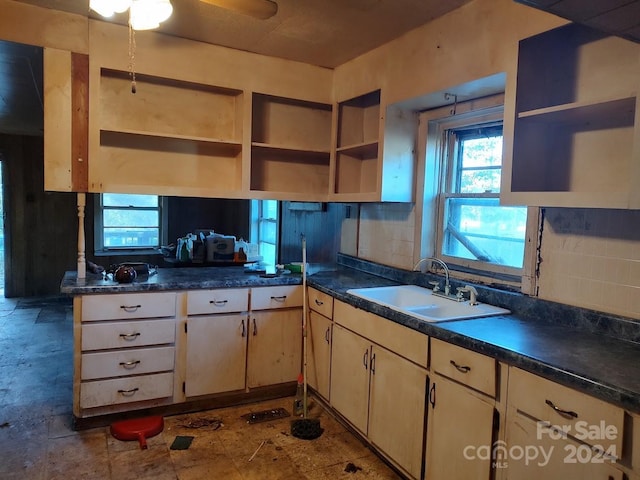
304 325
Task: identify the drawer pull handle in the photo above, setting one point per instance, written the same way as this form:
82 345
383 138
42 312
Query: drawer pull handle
130 365
319 303
244 331
563 413
218 303
365 359
326 334
129 336
255 328
130 308
128 393
281 298
460 368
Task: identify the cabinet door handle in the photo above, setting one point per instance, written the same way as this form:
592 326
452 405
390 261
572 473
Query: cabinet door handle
130 308
460 368
319 302
432 395
255 328
373 363
281 298
244 331
130 365
218 303
129 336
326 334
365 359
128 393
563 413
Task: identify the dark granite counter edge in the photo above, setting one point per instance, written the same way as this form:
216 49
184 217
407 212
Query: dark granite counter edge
596 387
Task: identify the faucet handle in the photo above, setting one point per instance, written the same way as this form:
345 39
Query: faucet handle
436 285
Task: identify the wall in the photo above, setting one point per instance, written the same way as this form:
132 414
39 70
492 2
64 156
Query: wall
590 258
41 226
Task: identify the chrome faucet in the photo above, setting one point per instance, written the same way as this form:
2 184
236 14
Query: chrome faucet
436 285
473 294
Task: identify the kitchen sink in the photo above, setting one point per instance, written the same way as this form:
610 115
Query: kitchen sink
420 303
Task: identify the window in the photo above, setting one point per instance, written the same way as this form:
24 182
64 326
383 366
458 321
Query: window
264 229
470 231
128 222
474 227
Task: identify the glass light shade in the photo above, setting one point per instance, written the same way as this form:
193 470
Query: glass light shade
120 6
102 7
147 14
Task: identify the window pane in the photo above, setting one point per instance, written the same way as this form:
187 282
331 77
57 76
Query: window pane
482 152
129 200
131 237
481 229
130 218
268 252
268 232
270 209
480 163
480 181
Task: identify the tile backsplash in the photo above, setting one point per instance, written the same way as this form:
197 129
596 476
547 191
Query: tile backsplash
591 258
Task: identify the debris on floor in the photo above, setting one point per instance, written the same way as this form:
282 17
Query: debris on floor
214 423
257 449
265 415
181 442
351 468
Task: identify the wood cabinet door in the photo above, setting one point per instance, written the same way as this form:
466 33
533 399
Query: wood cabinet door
216 354
275 347
350 360
550 457
397 409
319 353
459 423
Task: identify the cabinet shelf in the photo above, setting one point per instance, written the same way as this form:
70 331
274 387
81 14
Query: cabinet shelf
361 150
285 148
213 141
576 139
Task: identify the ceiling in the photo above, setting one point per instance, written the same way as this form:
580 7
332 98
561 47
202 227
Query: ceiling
319 32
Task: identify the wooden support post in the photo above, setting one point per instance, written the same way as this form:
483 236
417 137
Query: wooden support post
82 261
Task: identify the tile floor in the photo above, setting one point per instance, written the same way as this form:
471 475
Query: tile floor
37 441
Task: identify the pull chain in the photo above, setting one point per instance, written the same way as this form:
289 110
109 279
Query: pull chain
132 57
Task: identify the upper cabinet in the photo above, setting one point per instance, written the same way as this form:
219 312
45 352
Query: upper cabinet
290 148
169 137
373 158
575 122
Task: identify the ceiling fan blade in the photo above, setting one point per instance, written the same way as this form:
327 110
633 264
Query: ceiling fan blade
261 9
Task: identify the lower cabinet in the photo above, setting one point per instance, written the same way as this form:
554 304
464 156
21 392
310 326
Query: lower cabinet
382 394
275 347
460 430
216 354
319 334
565 434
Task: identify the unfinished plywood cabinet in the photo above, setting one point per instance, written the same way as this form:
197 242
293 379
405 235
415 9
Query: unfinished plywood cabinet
576 122
290 148
170 137
373 158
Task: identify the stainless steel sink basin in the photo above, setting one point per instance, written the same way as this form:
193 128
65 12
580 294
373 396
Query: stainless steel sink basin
419 302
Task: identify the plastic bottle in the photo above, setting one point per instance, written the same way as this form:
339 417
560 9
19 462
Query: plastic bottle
298 401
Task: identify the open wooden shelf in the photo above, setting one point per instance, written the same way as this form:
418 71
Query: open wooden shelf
576 135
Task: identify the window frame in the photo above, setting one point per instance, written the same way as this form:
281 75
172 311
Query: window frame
98 237
257 218
433 169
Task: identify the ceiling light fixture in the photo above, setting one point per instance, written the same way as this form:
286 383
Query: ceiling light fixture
143 14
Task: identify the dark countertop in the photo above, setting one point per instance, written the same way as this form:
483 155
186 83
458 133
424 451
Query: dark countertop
600 365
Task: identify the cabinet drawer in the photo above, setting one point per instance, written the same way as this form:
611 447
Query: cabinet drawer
399 339
128 305
131 361
575 411
222 300
284 296
104 335
469 368
320 302
125 390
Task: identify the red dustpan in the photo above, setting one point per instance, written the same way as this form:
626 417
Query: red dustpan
138 429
